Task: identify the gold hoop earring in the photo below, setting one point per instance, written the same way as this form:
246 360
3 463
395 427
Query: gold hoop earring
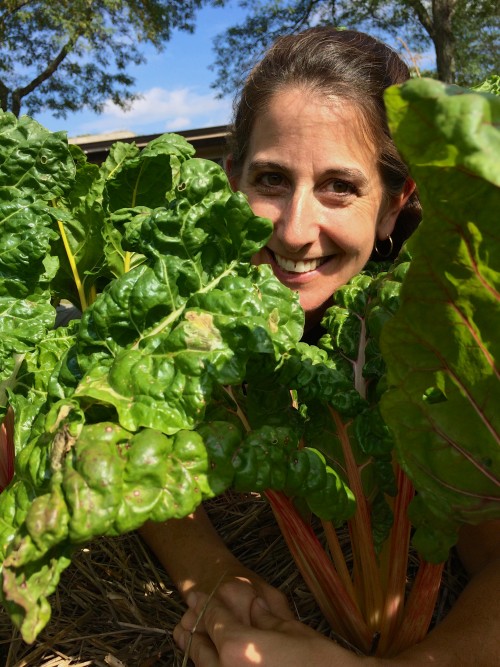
387 253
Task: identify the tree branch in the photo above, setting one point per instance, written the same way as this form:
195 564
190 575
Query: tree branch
13 10
305 14
423 16
19 93
4 96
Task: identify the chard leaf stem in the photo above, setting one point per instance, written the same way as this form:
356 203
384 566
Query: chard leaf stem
74 268
366 574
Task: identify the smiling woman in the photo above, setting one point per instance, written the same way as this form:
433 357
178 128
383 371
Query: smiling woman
323 192
311 150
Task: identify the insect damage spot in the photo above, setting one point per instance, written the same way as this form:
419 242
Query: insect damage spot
274 318
201 332
61 445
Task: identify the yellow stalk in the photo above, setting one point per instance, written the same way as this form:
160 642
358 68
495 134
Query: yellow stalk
92 294
74 269
127 260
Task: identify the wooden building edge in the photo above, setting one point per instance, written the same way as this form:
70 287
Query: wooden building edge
208 142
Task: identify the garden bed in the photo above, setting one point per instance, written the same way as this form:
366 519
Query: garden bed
115 606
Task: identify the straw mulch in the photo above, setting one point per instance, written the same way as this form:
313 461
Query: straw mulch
115 607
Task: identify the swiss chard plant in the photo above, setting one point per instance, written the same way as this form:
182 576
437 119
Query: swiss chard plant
185 374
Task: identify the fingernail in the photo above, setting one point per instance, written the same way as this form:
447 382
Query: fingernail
191 599
181 640
262 603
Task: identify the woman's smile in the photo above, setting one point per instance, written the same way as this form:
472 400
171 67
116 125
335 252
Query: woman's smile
300 266
295 273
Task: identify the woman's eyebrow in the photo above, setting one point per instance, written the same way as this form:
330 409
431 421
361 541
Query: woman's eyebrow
257 165
349 174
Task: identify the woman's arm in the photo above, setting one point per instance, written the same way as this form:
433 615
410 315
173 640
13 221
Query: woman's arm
470 633
196 559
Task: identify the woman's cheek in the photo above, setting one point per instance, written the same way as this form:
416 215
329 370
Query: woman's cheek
260 257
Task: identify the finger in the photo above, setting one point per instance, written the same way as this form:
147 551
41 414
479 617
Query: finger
219 621
198 645
192 619
278 604
263 618
188 620
219 624
238 596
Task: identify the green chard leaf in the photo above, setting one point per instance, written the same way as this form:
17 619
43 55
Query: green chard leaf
442 346
154 343
107 409
35 164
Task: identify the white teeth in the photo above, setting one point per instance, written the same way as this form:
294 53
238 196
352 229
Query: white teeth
298 267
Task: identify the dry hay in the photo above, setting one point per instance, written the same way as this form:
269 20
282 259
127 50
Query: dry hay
115 607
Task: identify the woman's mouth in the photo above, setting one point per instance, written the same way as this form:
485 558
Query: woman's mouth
302 266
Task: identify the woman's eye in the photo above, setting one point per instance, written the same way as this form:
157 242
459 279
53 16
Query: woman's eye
271 180
341 187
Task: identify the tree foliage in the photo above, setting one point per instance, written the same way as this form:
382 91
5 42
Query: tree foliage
463 33
64 55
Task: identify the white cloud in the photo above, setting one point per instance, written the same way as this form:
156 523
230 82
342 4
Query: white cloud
162 110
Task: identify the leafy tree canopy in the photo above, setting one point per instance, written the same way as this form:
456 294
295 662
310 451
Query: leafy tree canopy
63 55
463 33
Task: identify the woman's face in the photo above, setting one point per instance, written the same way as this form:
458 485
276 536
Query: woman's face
312 170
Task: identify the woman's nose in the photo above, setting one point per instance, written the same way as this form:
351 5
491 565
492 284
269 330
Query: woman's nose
296 225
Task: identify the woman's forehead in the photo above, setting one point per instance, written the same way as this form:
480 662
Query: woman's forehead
298 124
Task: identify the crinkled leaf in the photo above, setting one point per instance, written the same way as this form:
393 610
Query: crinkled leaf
269 458
164 378
106 481
132 182
23 322
35 164
26 234
144 178
106 409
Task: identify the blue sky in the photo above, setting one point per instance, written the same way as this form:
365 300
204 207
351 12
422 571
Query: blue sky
174 86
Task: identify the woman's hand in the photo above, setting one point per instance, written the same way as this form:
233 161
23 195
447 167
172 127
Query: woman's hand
239 587
216 637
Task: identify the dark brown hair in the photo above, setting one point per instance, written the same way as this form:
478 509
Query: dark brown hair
341 63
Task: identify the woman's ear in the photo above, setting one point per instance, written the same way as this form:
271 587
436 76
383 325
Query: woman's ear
393 209
228 166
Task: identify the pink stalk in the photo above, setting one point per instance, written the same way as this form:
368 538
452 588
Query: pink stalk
338 558
366 572
419 607
318 572
6 449
395 561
